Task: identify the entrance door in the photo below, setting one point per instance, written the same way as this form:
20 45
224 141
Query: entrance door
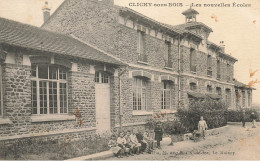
102 106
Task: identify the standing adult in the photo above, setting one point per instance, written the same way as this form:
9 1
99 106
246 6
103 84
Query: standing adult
253 118
243 118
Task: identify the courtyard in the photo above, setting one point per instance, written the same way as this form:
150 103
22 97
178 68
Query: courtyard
233 143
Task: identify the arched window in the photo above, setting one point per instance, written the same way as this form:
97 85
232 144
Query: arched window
101 77
228 97
209 88
219 91
193 86
166 94
49 89
140 93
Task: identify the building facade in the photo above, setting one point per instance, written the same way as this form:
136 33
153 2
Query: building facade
93 67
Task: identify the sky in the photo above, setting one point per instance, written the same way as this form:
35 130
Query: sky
238 27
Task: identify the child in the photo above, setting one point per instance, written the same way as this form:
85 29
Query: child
135 142
149 141
118 151
158 134
141 140
202 127
122 143
129 143
253 118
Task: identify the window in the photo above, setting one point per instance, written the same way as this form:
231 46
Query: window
244 98
228 72
209 88
218 90
140 46
209 65
49 89
139 94
218 69
193 60
193 86
168 61
1 93
101 77
228 97
166 95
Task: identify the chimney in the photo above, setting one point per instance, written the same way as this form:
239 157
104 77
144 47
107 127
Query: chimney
222 46
46 11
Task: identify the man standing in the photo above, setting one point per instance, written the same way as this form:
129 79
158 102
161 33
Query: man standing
243 118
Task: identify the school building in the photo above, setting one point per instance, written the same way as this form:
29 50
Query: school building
93 67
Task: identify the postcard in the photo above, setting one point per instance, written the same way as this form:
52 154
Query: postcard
129 80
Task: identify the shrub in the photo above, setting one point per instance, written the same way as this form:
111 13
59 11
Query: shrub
28 149
174 128
236 115
214 113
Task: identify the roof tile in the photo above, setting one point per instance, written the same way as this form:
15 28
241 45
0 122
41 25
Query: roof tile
27 36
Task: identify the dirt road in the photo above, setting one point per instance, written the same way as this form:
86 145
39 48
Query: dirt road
235 143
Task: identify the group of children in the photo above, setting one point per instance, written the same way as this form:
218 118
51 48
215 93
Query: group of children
133 142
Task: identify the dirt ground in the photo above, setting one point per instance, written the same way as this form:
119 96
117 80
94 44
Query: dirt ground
235 143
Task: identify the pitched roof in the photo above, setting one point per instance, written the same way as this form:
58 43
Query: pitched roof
242 85
190 11
220 52
148 19
27 36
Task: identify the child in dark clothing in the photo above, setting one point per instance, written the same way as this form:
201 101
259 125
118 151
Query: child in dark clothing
141 140
158 134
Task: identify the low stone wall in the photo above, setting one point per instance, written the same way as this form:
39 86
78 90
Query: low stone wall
17 145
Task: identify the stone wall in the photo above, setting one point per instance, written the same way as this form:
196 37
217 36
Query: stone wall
17 101
100 27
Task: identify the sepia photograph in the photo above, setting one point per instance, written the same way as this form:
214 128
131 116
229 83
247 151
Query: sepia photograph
129 80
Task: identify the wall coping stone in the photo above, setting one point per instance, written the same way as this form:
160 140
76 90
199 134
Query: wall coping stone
206 78
152 68
45 118
140 113
131 124
142 62
168 111
47 133
4 121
